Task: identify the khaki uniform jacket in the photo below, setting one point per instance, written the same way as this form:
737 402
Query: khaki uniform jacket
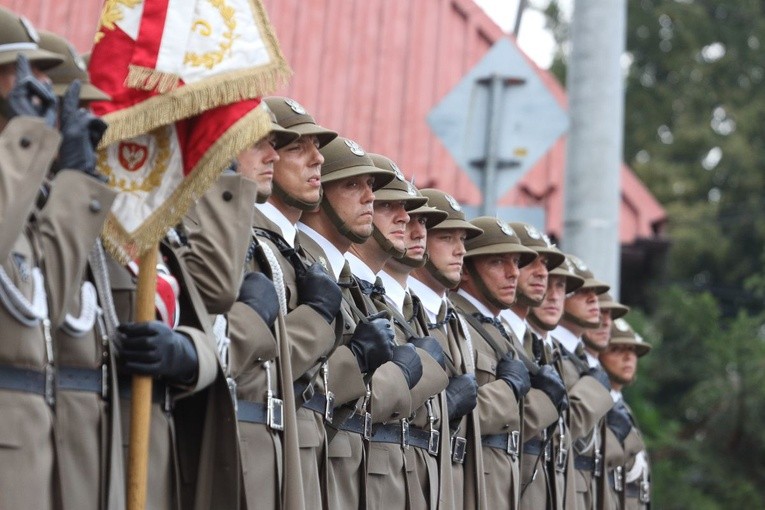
62 235
219 235
641 485
309 339
189 427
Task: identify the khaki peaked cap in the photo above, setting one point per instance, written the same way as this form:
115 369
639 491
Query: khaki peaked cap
607 302
578 267
532 238
623 334
19 37
497 238
398 189
345 158
72 68
291 115
455 217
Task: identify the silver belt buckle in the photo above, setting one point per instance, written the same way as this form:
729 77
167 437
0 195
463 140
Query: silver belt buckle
561 458
367 425
645 491
618 479
459 446
275 413
598 464
232 390
513 441
405 433
434 440
50 385
104 381
329 407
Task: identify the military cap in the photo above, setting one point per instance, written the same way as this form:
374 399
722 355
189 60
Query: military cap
455 218
532 238
72 68
575 265
432 215
497 238
573 281
291 115
345 158
283 136
19 37
607 302
398 189
623 334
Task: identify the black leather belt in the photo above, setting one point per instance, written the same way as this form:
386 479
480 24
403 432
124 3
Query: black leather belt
81 379
251 412
533 446
394 433
424 439
584 463
505 442
22 379
358 424
317 403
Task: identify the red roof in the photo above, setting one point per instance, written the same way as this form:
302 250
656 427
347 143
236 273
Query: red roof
373 69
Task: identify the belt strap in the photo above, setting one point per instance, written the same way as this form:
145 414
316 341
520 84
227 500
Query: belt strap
584 463
505 442
251 412
533 446
394 433
317 403
81 379
425 440
357 424
22 379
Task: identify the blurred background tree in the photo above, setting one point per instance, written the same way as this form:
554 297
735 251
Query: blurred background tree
694 118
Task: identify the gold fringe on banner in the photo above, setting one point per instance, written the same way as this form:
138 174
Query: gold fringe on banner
193 99
126 246
145 78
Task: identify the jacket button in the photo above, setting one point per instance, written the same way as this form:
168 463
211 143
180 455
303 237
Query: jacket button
95 206
227 196
25 142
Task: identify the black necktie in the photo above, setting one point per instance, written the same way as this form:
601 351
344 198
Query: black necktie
495 322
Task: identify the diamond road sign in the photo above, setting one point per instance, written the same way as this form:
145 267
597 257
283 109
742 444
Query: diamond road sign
527 118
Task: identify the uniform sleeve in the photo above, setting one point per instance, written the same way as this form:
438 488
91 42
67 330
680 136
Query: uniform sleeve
432 382
310 338
497 408
391 398
218 229
588 401
345 379
208 359
538 413
251 339
69 225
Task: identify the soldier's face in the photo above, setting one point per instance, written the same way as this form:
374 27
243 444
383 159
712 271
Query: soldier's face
599 337
352 199
499 274
583 304
298 170
620 361
416 236
391 218
532 280
551 309
256 163
446 250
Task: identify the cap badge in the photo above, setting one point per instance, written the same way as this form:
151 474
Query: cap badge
411 189
453 203
621 325
505 228
570 266
638 338
532 232
547 241
397 171
354 147
579 263
30 29
295 106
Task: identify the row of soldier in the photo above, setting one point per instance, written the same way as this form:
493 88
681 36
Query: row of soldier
327 335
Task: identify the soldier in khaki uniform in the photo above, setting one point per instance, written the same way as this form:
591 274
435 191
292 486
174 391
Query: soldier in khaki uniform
345 216
525 403
425 421
251 341
438 271
596 340
43 257
582 312
629 485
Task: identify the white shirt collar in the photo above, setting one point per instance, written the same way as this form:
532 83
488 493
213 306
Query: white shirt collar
517 325
431 301
616 395
359 268
592 360
545 336
569 340
334 256
272 213
394 292
480 306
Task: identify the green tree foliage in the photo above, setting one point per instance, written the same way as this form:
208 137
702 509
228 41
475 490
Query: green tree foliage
694 121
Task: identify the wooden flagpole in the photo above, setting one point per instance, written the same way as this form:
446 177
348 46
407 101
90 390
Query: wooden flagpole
140 406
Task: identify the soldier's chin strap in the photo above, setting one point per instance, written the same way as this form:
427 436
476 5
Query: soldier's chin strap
482 288
439 276
340 225
295 202
581 322
532 318
385 243
592 345
408 261
523 299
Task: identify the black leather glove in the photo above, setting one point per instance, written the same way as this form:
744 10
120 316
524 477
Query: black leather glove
601 375
319 291
372 342
407 359
431 346
258 292
619 421
152 348
515 374
29 96
80 133
548 380
461 395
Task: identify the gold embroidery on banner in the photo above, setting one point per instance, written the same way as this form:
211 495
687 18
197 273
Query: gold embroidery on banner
159 165
111 14
210 59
